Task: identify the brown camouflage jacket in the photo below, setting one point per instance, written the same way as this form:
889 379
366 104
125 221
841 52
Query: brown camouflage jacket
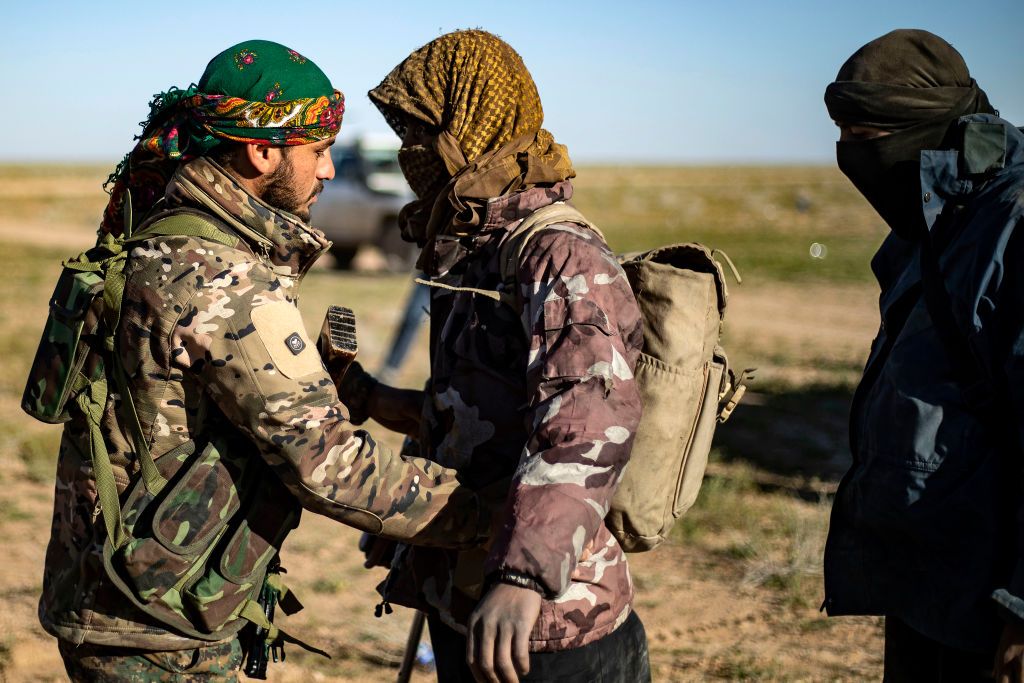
542 391
211 339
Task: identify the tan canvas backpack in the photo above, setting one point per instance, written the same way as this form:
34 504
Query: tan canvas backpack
683 374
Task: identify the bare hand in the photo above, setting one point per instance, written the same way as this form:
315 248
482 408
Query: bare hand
1009 664
497 648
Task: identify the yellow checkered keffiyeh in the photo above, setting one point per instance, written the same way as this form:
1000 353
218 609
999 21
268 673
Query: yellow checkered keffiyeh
471 90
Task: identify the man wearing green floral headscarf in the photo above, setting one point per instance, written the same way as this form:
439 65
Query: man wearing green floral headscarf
241 99
176 489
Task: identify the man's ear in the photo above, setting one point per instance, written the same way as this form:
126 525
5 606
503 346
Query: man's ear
263 158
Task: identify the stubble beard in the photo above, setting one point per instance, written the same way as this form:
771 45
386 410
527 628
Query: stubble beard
280 191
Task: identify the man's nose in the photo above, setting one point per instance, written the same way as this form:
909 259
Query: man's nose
326 169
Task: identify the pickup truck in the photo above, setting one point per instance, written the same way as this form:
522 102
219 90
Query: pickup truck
360 205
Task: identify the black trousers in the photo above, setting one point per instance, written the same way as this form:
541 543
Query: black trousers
619 657
911 657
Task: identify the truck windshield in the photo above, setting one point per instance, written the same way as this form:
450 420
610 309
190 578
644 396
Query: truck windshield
381 161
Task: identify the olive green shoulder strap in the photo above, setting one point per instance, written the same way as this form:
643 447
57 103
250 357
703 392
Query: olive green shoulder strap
92 403
185 224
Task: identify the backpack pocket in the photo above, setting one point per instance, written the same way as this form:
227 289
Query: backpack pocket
695 454
63 364
669 454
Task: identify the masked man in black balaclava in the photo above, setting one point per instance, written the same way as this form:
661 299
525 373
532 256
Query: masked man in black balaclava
925 527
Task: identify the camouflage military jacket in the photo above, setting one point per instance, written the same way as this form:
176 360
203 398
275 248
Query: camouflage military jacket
211 338
542 391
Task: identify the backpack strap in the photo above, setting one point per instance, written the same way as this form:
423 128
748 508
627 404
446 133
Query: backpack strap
510 252
93 401
186 224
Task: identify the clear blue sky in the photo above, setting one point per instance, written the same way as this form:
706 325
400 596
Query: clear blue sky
686 81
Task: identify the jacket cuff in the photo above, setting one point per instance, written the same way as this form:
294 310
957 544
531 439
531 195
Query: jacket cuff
499 563
1008 601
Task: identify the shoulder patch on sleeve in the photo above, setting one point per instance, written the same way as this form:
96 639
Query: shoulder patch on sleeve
280 328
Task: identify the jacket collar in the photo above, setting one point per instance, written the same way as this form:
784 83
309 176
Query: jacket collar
985 145
501 211
281 238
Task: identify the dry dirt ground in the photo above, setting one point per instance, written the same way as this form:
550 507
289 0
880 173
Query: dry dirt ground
733 596
703 620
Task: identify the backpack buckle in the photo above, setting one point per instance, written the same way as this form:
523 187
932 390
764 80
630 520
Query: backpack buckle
733 393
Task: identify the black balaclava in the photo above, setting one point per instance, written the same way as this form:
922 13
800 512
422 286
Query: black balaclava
915 85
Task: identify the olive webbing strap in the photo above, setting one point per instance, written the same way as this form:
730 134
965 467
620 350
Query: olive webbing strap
92 404
151 476
185 224
113 292
83 266
113 295
253 612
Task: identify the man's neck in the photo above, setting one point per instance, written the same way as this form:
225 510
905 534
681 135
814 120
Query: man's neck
250 185
291 242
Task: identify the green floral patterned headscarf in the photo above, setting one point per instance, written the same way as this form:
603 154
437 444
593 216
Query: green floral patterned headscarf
256 91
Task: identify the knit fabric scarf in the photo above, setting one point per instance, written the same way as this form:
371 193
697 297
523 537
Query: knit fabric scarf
474 98
256 91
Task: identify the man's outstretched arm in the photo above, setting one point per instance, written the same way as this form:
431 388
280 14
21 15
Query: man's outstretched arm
246 343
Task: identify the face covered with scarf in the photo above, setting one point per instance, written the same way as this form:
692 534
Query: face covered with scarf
254 92
470 118
909 86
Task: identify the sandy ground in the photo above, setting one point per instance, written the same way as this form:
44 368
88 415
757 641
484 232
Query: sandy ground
703 622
